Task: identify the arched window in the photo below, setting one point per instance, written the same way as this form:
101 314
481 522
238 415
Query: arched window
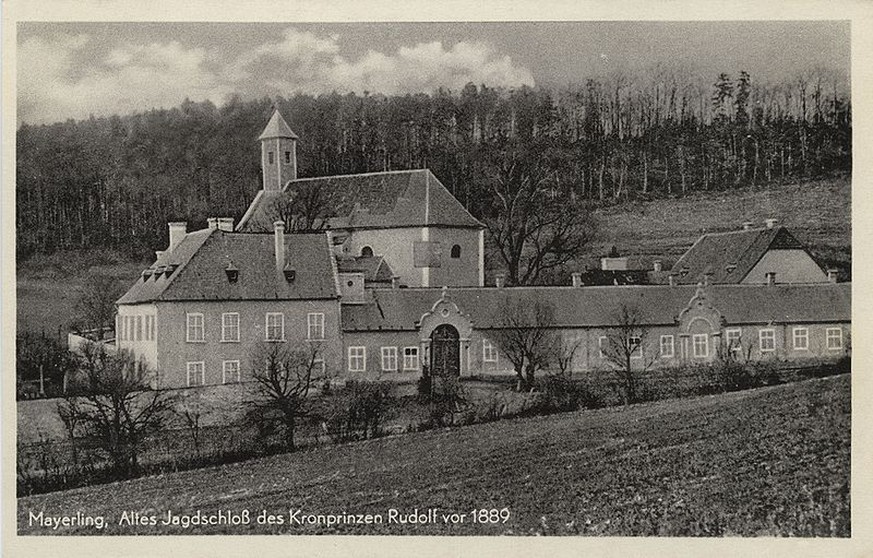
456 251
367 251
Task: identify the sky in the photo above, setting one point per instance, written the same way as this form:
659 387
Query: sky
74 70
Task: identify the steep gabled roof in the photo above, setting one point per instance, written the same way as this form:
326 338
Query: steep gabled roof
277 128
730 256
412 198
203 256
400 309
374 268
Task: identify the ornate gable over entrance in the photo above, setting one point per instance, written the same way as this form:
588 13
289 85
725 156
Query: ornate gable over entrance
445 311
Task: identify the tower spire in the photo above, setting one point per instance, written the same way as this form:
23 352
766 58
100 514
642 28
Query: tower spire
278 153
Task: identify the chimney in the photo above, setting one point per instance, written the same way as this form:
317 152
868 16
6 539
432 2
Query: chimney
178 230
158 254
279 245
577 279
771 278
395 281
499 280
670 280
212 223
225 224
833 275
747 225
658 265
770 223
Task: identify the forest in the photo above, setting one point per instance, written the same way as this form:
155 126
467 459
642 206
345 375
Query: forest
114 182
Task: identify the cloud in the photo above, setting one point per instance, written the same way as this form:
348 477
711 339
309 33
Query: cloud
72 76
57 80
304 62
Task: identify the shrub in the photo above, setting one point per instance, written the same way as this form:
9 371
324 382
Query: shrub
358 411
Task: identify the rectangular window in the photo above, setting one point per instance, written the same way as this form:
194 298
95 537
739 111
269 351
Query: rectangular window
270 157
195 328
634 343
734 340
801 338
410 358
138 331
700 345
275 326
149 320
357 359
121 324
667 346
834 337
389 359
315 325
489 351
287 157
767 340
230 327
601 344
196 373
230 372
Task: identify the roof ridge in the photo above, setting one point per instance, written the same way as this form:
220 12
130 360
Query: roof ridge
373 173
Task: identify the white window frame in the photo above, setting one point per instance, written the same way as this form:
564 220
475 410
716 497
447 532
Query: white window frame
357 354
694 339
635 354
410 358
315 320
738 334
834 333
225 338
771 335
389 354
672 345
489 351
224 371
149 327
191 366
190 318
268 327
798 333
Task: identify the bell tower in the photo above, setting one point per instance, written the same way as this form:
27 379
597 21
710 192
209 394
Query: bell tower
278 153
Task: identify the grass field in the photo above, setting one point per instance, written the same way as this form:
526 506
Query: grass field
772 461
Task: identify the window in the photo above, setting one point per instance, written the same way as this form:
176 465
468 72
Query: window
120 328
410 358
195 328
315 325
275 326
700 345
389 359
456 251
801 338
733 338
270 157
196 373
139 335
357 359
634 344
489 351
602 343
287 157
230 372
150 328
367 252
767 340
230 327
834 337
667 346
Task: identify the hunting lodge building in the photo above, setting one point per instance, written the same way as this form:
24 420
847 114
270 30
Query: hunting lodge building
395 281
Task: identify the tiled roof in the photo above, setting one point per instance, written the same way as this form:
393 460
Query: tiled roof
400 309
730 256
203 256
374 268
277 128
411 198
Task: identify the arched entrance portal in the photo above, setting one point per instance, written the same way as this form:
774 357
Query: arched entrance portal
445 353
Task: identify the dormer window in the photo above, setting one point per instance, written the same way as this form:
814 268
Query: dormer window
730 267
146 273
290 273
232 273
367 252
456 251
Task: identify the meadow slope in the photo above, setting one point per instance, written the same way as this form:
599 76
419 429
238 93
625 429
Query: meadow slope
772 461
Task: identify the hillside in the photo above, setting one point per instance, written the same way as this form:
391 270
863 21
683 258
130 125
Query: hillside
773 461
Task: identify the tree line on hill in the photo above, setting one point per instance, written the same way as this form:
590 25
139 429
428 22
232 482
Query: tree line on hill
115 182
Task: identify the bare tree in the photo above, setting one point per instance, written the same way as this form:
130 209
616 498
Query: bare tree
116 408
625 346
533 224
527 339
303 210
95 305
283 379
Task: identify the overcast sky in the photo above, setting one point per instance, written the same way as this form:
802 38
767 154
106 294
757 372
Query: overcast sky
72 70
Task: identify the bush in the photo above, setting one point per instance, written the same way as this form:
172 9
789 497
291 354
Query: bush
358 411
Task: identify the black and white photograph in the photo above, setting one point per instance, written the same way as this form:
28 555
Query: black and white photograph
577 278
